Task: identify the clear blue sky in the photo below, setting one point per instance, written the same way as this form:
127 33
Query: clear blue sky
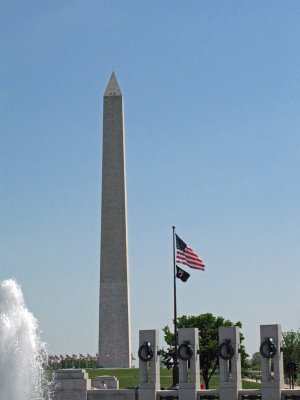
212 101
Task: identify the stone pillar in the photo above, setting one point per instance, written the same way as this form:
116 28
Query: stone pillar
71 384
229 362
272 376
114 313
149 364
189 363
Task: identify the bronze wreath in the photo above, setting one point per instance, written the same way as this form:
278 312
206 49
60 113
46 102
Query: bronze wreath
268 348
188 352
229 350
145 352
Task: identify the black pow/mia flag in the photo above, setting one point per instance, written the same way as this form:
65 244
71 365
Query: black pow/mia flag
181 274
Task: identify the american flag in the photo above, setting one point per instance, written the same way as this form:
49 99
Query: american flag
185 255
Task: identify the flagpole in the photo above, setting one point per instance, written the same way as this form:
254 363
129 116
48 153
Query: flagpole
175 359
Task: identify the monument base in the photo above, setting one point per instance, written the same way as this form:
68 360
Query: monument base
71 384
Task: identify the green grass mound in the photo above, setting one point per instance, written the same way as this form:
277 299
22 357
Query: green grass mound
129 378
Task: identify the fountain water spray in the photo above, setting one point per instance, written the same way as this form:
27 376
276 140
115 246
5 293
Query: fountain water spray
22 354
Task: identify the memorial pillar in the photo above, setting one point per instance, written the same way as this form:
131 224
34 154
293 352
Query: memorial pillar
229 362
189 363
272 376
149 364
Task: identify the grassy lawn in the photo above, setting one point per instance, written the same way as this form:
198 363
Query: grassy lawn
250 385
130 378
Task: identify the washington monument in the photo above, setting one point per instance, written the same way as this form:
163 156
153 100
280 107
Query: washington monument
114 314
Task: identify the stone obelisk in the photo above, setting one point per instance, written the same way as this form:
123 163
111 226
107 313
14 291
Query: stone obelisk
114 315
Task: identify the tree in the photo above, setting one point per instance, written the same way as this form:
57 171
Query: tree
291 354
208 326
255 362
291 346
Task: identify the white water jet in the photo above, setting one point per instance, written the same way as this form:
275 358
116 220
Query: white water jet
22 354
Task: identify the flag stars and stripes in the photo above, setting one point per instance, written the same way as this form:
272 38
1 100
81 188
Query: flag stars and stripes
185 255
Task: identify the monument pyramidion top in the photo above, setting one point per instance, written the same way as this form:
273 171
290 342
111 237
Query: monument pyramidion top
113 88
